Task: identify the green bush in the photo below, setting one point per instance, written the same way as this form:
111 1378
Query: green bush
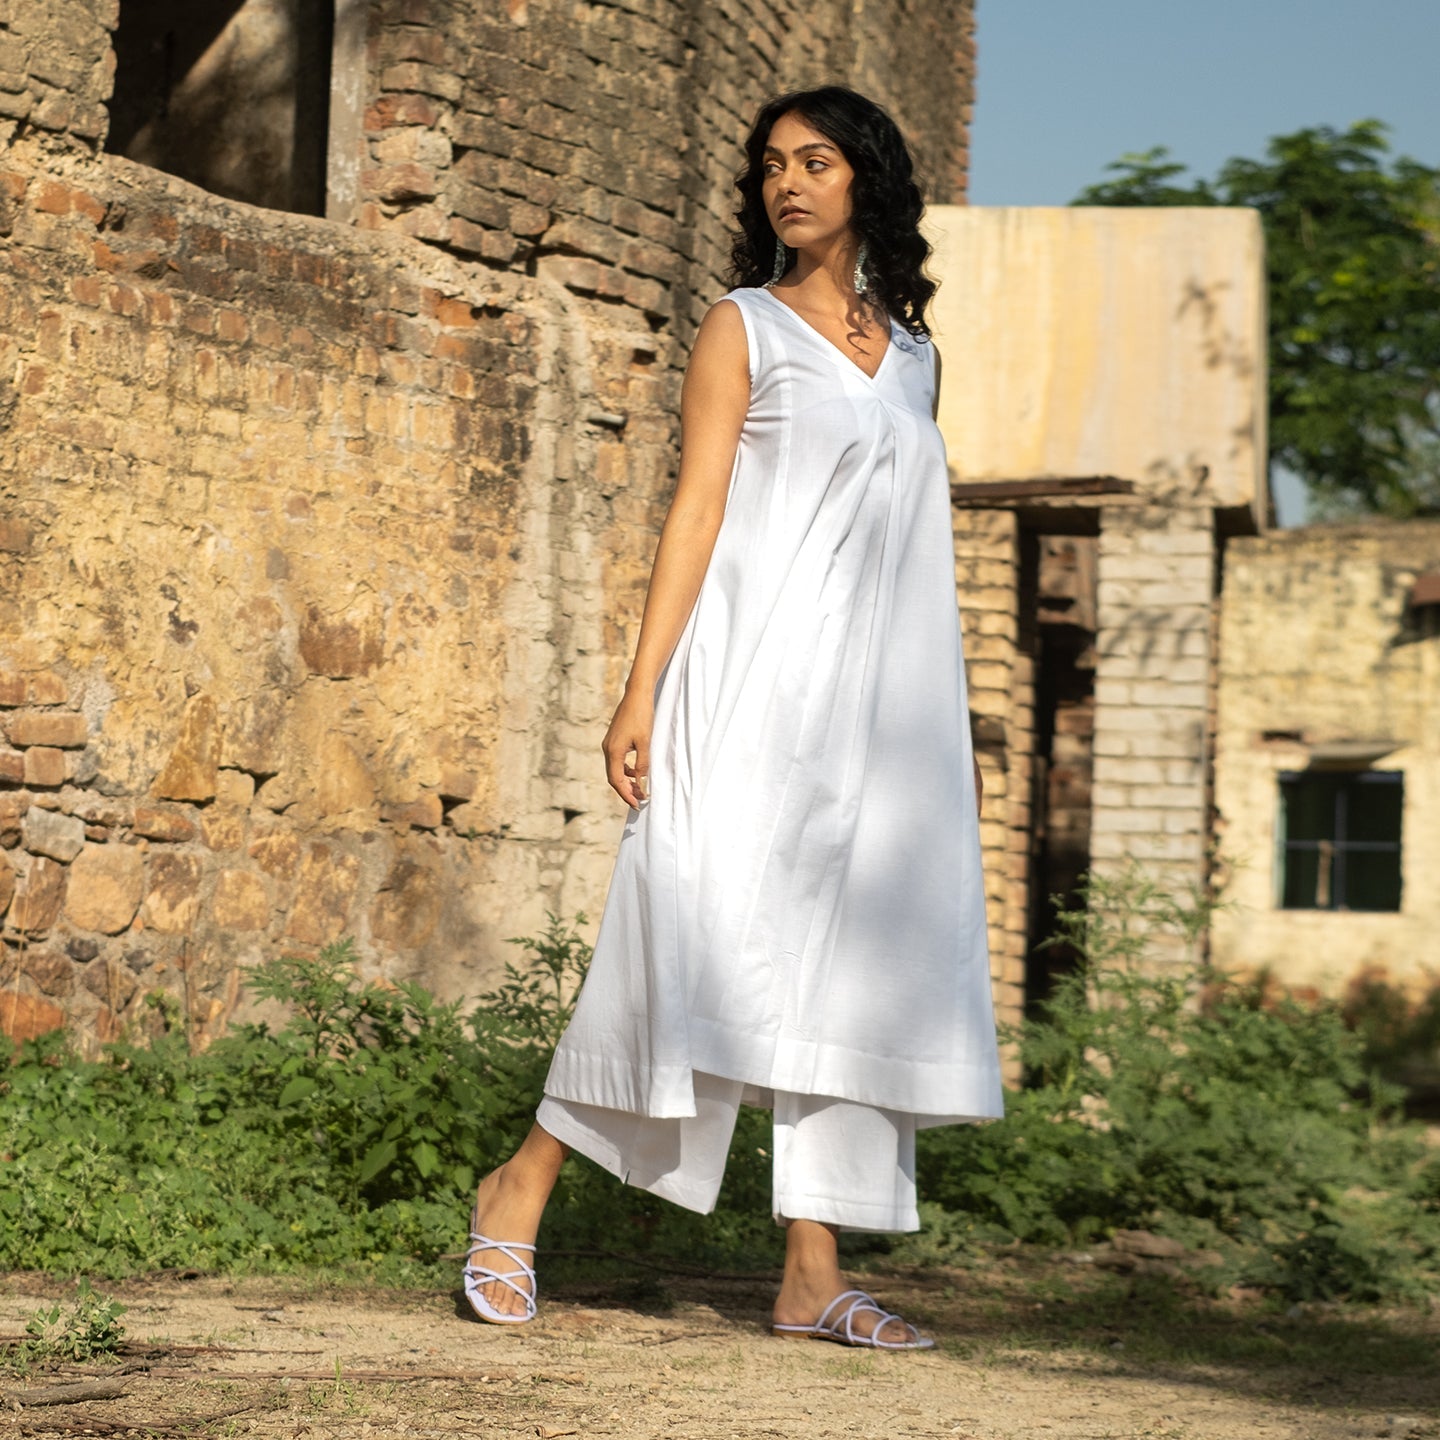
353 1133
1166 1096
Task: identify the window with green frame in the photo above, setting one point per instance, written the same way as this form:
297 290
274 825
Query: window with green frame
1340 839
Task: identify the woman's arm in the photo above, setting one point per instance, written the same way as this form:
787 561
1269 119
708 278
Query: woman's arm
712 410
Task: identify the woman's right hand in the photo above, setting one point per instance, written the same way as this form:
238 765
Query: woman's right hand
629 735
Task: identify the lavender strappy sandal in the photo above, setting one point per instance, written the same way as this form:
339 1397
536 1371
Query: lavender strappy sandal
837 1323
521 1279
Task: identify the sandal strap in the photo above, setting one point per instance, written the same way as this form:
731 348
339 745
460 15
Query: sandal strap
484 1242
485 1275
864 1304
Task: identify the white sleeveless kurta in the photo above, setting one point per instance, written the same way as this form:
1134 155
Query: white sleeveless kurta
799 904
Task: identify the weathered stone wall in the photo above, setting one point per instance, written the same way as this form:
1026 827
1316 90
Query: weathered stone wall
56 69
1322 653
279 568
323 545
596 144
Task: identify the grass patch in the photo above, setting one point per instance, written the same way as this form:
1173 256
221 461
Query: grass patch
346 1142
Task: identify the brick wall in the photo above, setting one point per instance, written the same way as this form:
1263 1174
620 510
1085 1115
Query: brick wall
267 667
1000 675
1153 695
323 545
597 144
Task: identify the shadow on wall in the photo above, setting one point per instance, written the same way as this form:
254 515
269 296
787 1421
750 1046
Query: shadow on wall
232 96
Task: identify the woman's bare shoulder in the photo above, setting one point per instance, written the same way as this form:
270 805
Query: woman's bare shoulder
721 339
724 318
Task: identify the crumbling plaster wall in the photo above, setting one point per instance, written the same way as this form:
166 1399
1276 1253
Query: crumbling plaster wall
1319 647
1115 346
323 545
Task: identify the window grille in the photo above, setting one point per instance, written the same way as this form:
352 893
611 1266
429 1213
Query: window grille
1340 840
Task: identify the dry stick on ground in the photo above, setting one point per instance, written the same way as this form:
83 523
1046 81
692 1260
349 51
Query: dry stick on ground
70 1394
498 1372
145 1350
88 1425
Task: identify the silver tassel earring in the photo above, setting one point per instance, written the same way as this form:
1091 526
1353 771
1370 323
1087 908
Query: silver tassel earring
861 280
779 269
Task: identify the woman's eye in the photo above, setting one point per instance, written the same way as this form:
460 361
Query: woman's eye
816 165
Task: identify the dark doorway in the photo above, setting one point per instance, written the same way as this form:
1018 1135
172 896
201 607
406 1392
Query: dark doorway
1064 639
232 95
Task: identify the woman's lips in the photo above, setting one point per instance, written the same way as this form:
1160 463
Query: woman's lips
792 214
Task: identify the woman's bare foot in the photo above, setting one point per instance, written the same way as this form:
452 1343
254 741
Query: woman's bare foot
812 1282
509 1204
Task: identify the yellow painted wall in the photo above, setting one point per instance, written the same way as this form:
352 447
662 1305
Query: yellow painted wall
1316 640
1122 342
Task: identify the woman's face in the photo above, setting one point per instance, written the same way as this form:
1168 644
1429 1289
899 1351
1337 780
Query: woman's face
806 184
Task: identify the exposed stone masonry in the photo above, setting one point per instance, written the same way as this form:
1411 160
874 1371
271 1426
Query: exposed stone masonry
322 546
596 144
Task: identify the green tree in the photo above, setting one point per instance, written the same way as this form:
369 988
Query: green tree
1353 261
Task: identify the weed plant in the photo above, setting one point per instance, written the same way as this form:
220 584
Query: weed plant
1166 1096
1159 1096
352 1134
88 1330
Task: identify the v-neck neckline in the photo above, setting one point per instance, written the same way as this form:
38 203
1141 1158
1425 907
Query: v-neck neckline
830 345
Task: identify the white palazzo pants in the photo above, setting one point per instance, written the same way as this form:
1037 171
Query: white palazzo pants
835 1161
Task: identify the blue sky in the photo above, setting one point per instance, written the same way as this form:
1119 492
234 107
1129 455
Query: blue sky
1067 86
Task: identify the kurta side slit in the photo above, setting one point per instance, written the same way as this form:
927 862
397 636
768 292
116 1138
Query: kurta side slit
798 910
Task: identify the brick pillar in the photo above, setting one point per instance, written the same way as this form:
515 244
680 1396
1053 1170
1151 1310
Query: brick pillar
1001 681
1152 690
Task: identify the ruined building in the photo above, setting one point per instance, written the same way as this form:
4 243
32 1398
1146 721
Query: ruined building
1327 767
339 368
1104 414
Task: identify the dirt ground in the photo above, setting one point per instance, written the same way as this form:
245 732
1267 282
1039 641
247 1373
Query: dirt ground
1041 1355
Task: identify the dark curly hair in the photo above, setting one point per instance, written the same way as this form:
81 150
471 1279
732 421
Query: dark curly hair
885 200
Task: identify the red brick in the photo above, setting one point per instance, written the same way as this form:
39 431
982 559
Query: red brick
427 45
396 184
232 325
44 766
400 110
128 262
199 317
40 727
55 198
45 687
476 240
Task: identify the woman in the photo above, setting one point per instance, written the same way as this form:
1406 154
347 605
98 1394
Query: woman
796 916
